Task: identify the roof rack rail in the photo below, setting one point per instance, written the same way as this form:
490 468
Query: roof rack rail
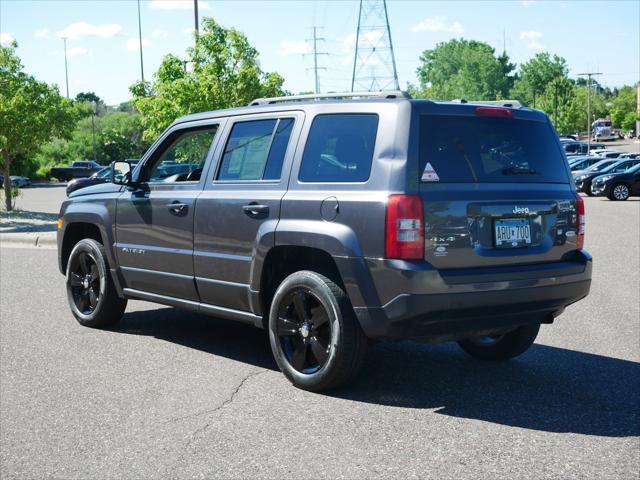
497 103
321 96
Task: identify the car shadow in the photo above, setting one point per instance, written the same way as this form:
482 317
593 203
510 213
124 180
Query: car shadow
547 389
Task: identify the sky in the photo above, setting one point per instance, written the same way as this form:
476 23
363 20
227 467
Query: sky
103 49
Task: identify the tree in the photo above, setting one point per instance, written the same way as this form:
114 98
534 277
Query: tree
623 110
31 112
536 75
88 97
118 136
224 72
463 69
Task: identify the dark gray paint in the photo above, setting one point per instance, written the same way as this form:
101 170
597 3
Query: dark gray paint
210 259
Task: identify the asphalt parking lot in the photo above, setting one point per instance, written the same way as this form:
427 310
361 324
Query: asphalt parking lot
172 394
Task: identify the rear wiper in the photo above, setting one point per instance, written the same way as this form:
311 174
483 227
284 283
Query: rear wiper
518 171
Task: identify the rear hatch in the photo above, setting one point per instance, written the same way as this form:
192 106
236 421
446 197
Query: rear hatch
496 187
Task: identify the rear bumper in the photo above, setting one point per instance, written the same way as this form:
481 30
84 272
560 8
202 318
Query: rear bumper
446 305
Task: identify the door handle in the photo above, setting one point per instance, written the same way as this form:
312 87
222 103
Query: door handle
177 207
253 209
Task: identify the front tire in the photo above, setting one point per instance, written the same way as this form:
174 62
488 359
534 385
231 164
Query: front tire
91 293
315 337
501 347
619 192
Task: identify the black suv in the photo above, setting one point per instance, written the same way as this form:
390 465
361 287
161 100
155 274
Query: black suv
619 186
333 221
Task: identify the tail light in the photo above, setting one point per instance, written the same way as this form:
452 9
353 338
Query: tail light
493 112
404 230
580 221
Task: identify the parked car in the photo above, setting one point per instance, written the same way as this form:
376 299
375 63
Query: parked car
583 162
16 181
20 181
78 169
101 176
596 167
568 136
606 152
331 222
577 147
584 180
619 186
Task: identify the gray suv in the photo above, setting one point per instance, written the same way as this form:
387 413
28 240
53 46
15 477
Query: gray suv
333 221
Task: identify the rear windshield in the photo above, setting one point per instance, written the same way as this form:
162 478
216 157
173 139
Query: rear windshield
473 149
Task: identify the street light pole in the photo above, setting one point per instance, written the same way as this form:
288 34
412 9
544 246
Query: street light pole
195 13
589 75
140 38
66 71
93 129
555 104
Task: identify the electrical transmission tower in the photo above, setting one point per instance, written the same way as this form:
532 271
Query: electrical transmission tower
316 69
374 64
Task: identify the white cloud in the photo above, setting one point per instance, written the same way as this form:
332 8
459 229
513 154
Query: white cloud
438 24
133 43
158 33
532 39
177 5
76 52
84 29
6 38
294 47
189 31
527 3
41 33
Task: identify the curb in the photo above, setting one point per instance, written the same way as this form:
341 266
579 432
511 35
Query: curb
45 240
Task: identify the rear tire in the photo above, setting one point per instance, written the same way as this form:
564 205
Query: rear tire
315 337
502 347
91 293
619 192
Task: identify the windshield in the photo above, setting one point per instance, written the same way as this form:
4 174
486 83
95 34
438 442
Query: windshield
621 166
634 169
601 165
104 173
473 149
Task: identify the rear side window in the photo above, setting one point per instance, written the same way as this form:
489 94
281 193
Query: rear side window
339 148
256 149
472 149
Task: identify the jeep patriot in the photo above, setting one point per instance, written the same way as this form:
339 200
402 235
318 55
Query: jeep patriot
331 220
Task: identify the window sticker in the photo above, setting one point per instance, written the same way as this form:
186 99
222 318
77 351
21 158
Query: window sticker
429 174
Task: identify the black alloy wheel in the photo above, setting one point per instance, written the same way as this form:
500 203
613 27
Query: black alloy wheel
304 331
91 293
84 282
315 336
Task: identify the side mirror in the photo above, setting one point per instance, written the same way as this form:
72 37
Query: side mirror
120 173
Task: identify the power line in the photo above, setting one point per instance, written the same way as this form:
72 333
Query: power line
589 75
315 54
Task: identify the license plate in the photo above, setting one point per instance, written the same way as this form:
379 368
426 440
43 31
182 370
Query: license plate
512 233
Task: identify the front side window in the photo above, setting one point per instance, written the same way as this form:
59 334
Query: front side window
256 150
339 148
184 157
